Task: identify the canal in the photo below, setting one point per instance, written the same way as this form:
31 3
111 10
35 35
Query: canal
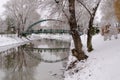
43 59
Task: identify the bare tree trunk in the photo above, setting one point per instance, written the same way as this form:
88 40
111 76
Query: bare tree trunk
90 31
89 34
77 52
18 32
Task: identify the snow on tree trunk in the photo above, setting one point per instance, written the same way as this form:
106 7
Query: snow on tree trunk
77 52
89 36
90 28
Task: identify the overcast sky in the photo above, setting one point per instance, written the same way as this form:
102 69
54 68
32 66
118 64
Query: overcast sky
2 2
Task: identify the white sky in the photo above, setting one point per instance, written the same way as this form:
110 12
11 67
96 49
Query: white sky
2 2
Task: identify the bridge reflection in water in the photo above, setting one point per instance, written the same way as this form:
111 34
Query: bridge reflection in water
35 61
51 52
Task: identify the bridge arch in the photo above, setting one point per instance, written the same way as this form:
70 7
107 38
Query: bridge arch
28 31
44 20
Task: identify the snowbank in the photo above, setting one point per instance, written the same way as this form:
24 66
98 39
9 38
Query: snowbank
7 42
4 41
102 64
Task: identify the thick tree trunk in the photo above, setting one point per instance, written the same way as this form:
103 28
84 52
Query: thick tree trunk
77 52
89 34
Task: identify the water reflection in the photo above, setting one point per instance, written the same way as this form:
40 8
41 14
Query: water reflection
18 65
51 50
28 63
51 43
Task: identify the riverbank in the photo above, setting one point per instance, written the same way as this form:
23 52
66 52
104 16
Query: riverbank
4 41
46 64
102 64
7 42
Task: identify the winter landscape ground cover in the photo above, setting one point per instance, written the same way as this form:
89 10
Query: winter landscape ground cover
102 64
4 40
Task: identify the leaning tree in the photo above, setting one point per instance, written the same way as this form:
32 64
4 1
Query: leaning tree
91 8
72 12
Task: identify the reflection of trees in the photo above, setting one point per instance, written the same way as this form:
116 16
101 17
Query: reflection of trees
19 66
52 43
52 55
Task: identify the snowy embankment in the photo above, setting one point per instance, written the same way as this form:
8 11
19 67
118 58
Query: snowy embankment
4 41
7 42
102 64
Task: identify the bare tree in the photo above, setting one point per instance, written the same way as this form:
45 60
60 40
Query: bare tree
3 26
23 12
73 12
66 10
91 9
76 37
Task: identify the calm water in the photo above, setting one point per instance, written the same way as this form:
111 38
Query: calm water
40 60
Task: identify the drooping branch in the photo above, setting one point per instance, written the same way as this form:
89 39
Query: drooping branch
57 2
85 7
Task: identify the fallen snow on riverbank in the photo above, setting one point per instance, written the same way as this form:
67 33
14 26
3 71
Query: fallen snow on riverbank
9 40
4 41
13 39
102 64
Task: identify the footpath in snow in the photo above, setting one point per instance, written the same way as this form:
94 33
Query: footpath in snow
103 63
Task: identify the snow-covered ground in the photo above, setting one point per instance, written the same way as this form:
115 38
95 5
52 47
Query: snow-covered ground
4 41
7 42
102 64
